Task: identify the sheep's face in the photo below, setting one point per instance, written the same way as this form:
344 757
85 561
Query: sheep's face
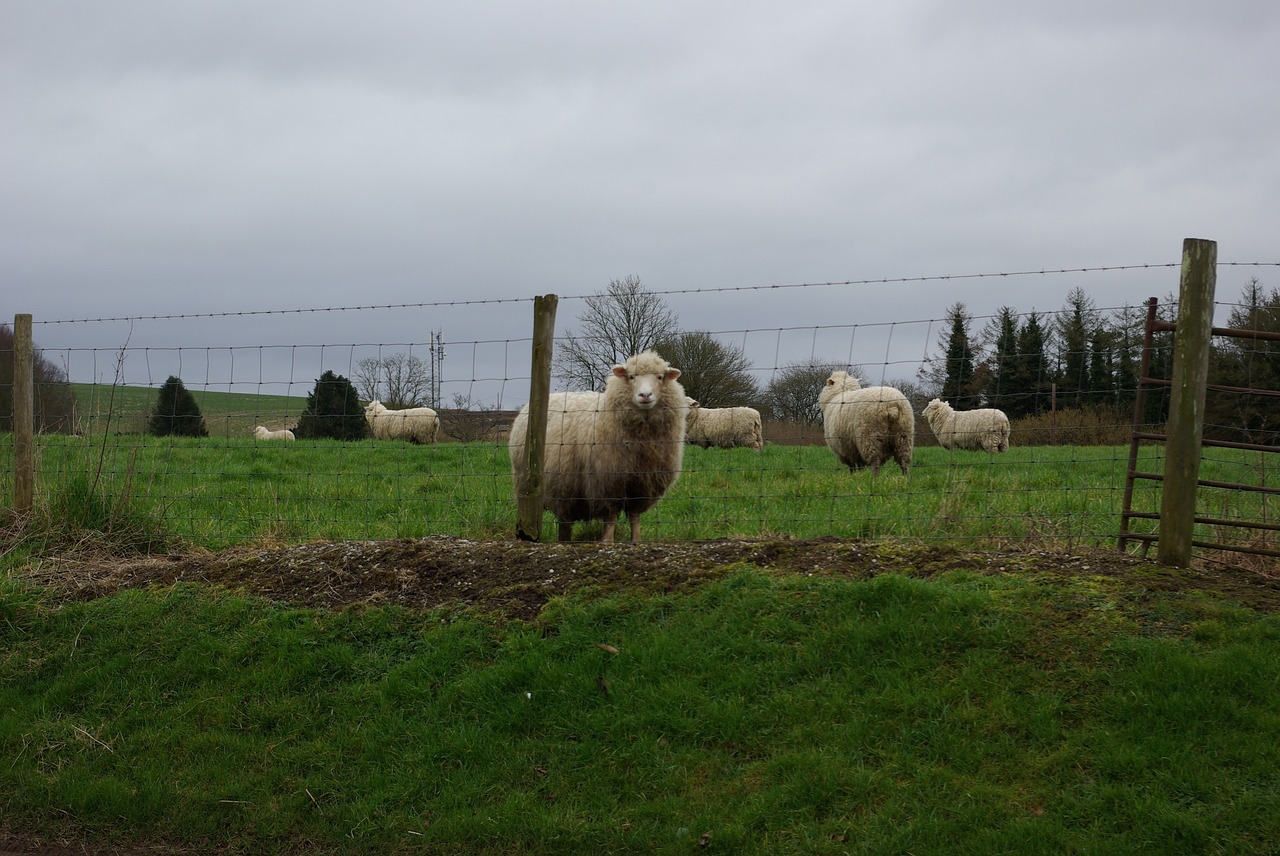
646 387
373 407
646 376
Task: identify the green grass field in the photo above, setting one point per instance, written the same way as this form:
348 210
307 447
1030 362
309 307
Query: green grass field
222 491
219 491
762 712
116 409
228 489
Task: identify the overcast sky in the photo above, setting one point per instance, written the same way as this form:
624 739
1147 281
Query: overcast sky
211 157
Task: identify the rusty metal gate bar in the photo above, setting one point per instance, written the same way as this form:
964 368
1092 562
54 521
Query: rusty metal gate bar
1145 381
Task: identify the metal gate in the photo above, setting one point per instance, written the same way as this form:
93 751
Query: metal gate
1145 382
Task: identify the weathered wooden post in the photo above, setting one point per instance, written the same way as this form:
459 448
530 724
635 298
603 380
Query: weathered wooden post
529 502
24 460
1185 428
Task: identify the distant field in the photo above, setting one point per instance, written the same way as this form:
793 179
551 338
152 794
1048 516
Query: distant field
124 409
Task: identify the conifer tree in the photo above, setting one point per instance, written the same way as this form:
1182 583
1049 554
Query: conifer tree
1102 359
177 413
333 410
1075 325
1003 372
1128 325
1030 381
958 385
1247 364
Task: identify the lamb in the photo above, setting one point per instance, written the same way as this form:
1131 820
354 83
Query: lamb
724 427
263 433
608 452
984 430
416 424
866 426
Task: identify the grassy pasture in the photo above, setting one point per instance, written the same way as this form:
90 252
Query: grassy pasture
125 409
219 491
228 489
963 714
759 712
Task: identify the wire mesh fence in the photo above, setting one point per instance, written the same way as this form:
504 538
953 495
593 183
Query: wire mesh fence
1060 481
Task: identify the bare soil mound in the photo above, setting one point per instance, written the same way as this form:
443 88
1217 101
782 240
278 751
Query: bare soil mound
514 579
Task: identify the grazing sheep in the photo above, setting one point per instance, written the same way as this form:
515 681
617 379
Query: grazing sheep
866 426
986 430
262 433
724 427
608 452
417 424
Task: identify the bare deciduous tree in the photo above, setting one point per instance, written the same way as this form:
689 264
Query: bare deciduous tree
55 402
397 380
792 395
469 421
619 322
714 373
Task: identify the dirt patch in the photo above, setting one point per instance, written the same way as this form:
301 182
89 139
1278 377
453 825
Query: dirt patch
514 579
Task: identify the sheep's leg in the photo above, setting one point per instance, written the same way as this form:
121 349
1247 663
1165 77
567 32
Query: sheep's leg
634 520
610 524
565 530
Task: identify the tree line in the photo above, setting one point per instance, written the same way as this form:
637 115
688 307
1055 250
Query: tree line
1078 357
1022 364
54 402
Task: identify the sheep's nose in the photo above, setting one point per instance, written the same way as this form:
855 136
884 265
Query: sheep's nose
645 396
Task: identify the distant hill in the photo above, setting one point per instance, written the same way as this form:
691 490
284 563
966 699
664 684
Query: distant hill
124 409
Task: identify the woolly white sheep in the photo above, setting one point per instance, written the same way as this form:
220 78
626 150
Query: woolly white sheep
263 433
866 425
724 427
985 430
608 452
417 424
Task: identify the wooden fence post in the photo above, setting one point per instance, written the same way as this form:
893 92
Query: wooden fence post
1185 428
529 502
24 461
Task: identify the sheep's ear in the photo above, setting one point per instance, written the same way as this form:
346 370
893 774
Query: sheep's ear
672 374
620 371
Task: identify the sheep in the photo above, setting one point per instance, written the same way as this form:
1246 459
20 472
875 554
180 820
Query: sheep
263 433
866 425
985 430
416 424
608 452
724 427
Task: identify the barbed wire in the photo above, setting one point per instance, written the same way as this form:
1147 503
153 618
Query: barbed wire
251 312
708 290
